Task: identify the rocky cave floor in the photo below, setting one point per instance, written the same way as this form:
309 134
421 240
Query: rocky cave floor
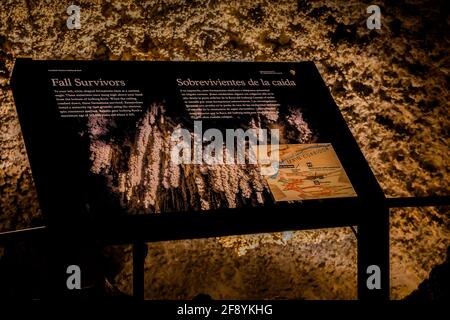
390 84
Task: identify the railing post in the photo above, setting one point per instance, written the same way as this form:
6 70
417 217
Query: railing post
139 253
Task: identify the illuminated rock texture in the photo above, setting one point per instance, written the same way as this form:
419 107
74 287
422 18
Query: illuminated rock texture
390 84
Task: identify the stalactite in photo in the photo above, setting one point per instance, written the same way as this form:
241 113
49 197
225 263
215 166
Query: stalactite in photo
140 171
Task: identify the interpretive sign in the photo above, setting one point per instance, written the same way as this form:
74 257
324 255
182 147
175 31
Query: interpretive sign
148 151
132 139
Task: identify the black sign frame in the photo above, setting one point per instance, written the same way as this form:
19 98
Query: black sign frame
41 131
